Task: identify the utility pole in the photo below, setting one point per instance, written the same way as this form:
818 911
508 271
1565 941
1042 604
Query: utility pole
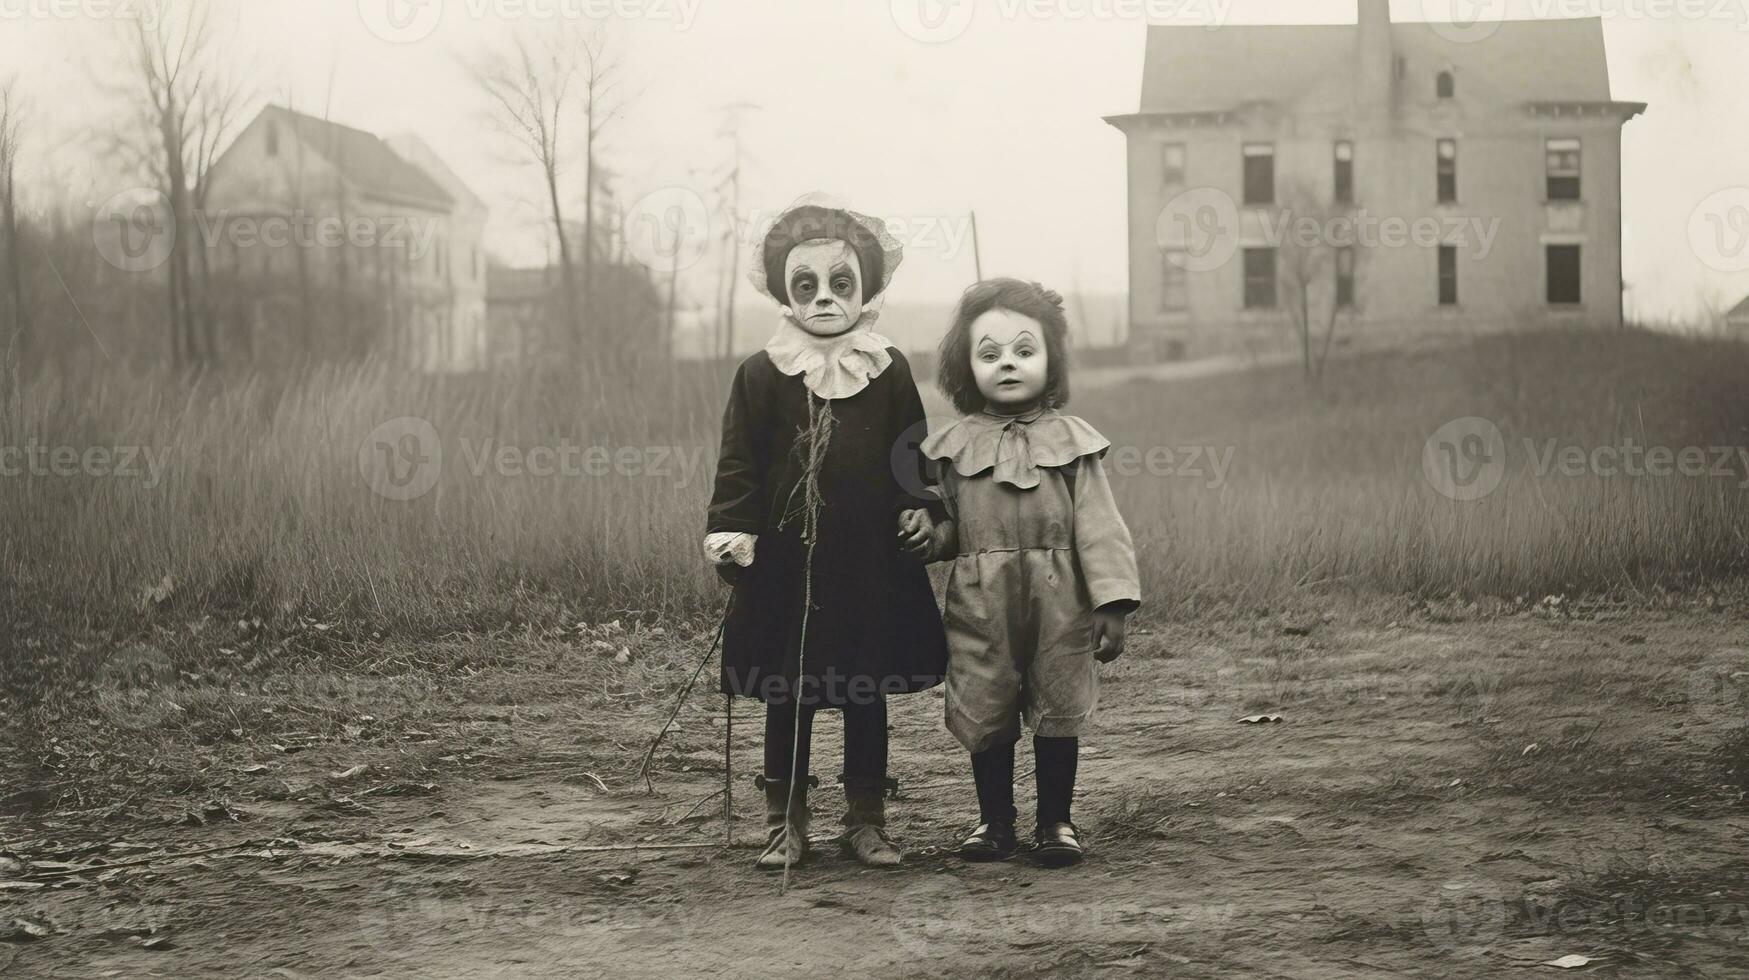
977 257
732 128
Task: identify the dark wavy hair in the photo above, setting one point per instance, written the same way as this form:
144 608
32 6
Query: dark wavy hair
811 222
1029 299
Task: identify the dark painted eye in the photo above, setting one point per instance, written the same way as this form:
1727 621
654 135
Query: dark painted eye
803 288
842 285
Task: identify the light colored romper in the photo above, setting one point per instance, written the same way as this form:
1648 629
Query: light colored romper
1034 552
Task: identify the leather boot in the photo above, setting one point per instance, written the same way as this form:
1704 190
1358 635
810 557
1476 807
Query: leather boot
786 823
865 821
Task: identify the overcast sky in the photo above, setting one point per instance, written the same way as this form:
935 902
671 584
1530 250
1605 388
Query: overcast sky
893 113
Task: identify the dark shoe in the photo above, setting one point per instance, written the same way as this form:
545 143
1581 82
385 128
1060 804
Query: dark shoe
1058 846
990 842
865 823
786 823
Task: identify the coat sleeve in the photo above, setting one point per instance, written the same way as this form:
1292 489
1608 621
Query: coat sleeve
915 484
738 500
947 531
1103 547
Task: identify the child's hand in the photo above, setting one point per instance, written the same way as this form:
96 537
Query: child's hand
731 574
916 533
1108 634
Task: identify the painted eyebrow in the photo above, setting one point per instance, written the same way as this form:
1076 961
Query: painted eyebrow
841 266
1023 335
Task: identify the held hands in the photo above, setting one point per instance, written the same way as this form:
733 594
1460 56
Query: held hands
916 534
1108 633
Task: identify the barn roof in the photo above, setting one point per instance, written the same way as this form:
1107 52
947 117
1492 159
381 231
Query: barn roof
1192 69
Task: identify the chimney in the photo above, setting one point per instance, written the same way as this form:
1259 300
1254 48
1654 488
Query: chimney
1375 76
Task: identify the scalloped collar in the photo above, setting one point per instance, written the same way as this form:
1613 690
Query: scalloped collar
831 367
1016 447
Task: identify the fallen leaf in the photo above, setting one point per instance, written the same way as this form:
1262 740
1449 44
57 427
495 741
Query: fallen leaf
624 656
157 942
1570 962
1528 749
1260 719
252 770
357 770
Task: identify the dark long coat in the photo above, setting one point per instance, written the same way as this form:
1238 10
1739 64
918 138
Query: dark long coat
874 626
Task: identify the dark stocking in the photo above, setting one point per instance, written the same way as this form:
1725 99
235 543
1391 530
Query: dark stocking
780 741
865 739
993 771
1056 777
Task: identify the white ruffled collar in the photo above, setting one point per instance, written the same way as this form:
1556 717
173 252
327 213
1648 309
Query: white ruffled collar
1015 447
831 367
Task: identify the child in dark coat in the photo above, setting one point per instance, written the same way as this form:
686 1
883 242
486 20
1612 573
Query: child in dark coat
828 611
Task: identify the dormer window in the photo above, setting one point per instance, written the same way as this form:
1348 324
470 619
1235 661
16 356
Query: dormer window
1446 85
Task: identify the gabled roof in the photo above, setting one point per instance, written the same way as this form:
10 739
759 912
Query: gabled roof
364 160
1191 69
420 154
1741 309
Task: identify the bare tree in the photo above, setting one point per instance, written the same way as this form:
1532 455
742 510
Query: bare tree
216 111
14 315
171 61
530 87
600 73
1309 275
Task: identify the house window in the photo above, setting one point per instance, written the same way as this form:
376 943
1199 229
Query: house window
1447 171
1344 172
1563 166
1259 173
1172 164
474 262
1448 283
1345 277
1563 271
1446 85
272 140
1174 281
1259 278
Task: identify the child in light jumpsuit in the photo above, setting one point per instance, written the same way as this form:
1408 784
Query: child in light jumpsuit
1044 572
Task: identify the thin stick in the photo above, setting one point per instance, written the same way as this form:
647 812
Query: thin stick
93 868
650 753
728 771
713 794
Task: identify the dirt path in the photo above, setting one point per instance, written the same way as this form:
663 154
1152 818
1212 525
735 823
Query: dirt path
1440 800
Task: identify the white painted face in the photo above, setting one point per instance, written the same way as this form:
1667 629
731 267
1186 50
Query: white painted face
1009 359
824 280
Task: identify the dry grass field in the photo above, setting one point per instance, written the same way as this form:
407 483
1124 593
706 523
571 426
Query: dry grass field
261 718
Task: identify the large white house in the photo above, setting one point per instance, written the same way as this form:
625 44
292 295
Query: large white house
327 240
1451 177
